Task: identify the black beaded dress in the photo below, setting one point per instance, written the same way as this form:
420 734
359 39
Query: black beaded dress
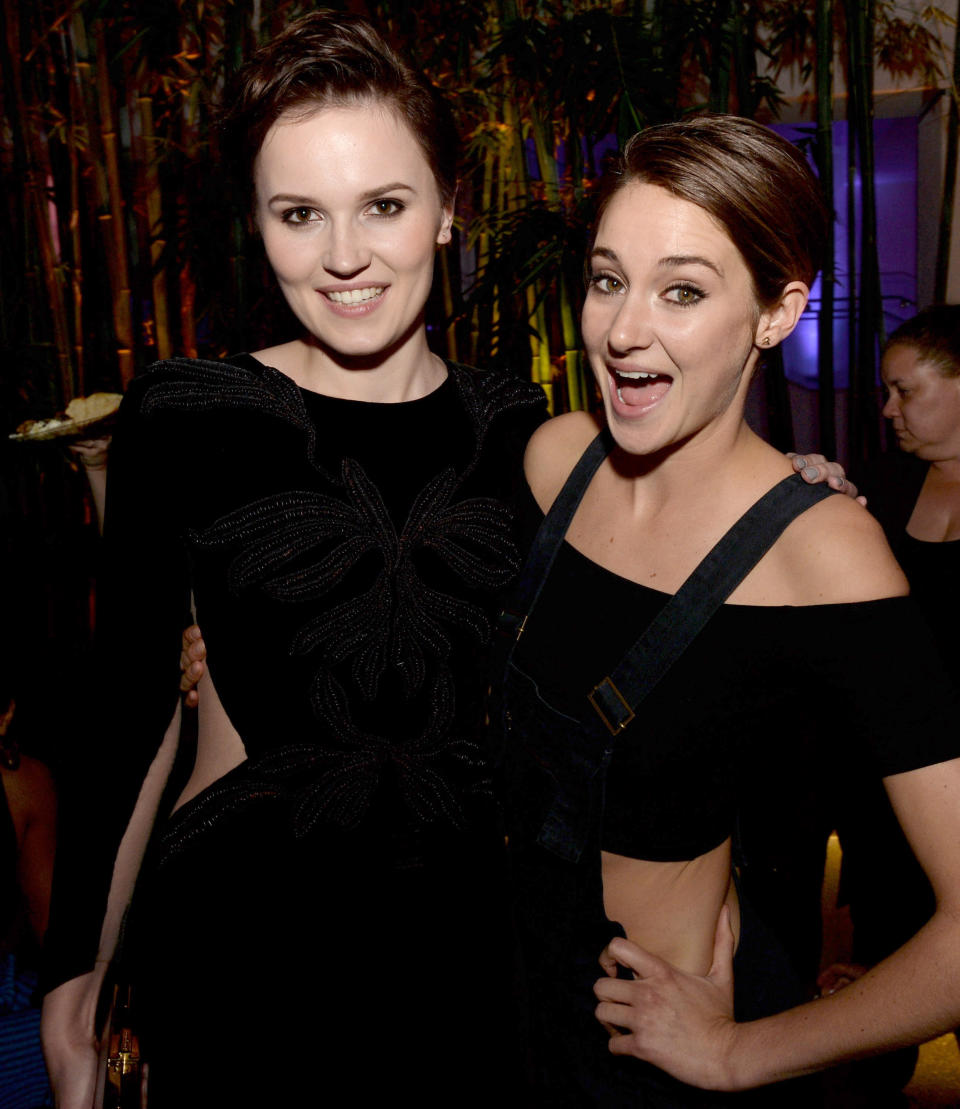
328 920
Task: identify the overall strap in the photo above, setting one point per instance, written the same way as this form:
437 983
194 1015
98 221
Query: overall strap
674 628
549 537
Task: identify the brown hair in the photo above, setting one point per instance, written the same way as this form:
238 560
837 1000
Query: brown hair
332 58
934 334
757 185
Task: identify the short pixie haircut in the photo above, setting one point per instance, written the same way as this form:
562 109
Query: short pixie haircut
327 59
934 334
756 185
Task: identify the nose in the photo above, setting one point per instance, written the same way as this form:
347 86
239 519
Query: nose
891 408
631 328
345 252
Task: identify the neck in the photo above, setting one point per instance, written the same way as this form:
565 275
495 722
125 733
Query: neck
948 469
698 469
406 371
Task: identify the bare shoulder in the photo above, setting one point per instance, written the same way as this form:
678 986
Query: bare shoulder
836 553
553 451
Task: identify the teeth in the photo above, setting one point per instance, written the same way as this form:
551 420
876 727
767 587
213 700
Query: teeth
355 296
632 375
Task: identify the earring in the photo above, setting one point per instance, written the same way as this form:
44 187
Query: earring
765 341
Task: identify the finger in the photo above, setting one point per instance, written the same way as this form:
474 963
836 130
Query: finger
813 472
192 647
191 675
608 962
625 1042
634 958
620 990
192 633
615 1018
192 699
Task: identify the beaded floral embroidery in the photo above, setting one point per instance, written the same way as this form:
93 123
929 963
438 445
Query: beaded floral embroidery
299 546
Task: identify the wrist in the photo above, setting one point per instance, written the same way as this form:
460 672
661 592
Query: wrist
741 1069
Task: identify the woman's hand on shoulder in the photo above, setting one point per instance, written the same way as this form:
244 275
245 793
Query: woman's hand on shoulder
553 451
69 1040
814 468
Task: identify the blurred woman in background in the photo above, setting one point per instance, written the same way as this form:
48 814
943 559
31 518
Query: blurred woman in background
915 494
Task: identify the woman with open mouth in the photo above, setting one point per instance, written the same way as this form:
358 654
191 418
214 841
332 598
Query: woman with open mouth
662 630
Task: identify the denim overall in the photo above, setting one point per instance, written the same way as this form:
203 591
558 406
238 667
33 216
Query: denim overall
554 769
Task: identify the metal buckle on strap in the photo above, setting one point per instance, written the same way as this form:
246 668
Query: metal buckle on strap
511 624
605 694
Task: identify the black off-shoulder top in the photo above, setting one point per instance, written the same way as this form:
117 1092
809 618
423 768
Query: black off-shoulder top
738 710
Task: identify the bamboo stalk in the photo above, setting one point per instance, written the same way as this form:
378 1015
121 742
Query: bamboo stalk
38 181
157 241
483 242
573 370
721 60
451 331
114 228
52 278
76 240
542 368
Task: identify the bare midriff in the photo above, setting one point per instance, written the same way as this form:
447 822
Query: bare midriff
671 908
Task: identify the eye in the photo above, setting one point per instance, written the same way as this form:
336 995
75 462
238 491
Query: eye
387 207
605 283
684 294
301 214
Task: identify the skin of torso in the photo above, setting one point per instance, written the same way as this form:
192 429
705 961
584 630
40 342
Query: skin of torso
936 515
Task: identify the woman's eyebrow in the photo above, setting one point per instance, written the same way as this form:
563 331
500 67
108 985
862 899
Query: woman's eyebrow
368 194
395 186
674 260
670 262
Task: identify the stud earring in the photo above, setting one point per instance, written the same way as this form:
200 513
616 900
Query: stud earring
765 341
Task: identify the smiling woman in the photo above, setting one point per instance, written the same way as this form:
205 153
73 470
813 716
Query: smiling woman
330 857
677 577
355 262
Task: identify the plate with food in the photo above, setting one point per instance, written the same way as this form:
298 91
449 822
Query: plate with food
85 417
